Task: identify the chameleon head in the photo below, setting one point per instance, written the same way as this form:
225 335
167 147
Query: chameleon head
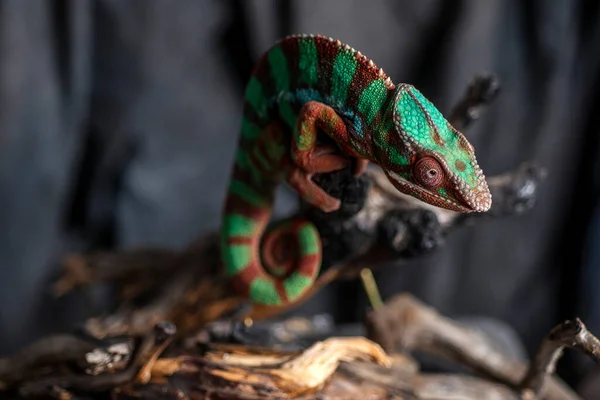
427 158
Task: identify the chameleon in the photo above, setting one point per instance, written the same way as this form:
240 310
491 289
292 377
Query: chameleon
315 105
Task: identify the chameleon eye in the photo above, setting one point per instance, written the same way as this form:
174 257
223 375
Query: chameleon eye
428 172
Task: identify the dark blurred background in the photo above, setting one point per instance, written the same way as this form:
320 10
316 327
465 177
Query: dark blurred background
119 119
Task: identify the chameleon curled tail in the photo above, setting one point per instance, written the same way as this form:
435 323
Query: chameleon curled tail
273 267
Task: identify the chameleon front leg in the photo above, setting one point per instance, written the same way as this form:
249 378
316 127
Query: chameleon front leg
310 158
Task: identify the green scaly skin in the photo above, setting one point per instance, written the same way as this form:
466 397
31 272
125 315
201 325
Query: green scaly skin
308 84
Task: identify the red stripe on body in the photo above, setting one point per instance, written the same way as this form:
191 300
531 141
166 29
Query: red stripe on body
242 280
363 76
237 205
281 290
327 51
309 265
289 46
239 240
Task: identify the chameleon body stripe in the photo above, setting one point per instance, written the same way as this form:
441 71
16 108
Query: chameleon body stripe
307 63
366 115
343 72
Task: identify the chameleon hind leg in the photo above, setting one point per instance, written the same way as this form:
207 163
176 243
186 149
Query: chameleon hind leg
311 158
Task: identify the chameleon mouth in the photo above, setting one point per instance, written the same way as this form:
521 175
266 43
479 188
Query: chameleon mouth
478 200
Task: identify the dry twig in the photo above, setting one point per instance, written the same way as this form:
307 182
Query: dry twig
569 334
144 356
407 324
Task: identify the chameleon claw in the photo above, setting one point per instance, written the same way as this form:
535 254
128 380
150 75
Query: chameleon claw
320 160
311 192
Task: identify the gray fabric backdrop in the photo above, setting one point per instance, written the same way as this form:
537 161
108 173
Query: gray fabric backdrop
118 122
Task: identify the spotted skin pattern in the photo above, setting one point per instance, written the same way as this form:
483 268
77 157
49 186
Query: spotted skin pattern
312 104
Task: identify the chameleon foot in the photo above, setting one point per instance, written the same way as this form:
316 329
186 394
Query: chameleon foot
320 160
310 158
312 193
